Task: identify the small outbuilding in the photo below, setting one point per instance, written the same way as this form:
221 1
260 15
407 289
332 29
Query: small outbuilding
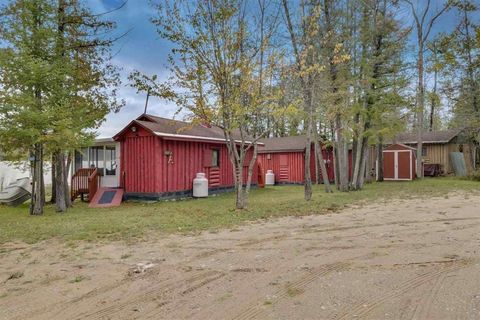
399 162
437 147
285 156
161 157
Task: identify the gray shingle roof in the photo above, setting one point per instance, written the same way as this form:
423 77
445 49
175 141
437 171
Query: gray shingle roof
444 136
283 144
164 127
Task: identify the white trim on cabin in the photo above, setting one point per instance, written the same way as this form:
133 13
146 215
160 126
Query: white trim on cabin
411 166
185 136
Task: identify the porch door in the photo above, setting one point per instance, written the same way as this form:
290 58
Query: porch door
111 177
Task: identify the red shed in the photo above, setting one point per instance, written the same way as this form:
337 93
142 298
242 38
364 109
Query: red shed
399 162
286 157
161 157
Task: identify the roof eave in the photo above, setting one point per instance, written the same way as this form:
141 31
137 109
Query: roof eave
186 137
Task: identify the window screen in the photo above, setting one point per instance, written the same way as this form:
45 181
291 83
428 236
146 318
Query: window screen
97 159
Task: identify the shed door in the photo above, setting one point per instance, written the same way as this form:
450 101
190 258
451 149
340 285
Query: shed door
284 168
403 165
389 165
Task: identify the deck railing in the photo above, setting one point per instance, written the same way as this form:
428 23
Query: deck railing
85 181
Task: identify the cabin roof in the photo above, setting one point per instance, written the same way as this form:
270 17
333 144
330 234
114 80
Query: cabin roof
432 137
283 144
176 129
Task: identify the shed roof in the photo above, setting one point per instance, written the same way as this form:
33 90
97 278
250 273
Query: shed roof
444 136
397 146
283 144
176 129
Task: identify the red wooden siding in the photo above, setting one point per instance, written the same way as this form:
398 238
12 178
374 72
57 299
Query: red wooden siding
139 161
151 164
289 167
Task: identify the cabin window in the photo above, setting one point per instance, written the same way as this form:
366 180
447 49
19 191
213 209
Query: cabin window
110 161
460 148
97 159
215 158
424 151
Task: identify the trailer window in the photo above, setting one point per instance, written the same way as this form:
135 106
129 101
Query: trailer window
215 158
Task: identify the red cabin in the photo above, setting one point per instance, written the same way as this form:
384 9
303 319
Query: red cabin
399 162
161 157
286 157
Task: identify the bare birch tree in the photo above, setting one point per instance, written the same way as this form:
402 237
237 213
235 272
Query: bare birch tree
221 58
424 17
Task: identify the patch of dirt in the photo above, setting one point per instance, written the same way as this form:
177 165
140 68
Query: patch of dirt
401 259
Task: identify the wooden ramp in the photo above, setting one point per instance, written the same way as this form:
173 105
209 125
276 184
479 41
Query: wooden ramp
107 197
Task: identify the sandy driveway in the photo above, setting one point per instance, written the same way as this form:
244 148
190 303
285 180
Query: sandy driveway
405 259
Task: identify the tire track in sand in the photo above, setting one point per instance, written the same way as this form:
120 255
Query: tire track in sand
422 309
153 293
255 310
363 308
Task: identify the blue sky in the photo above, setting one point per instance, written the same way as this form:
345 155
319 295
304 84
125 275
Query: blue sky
141 50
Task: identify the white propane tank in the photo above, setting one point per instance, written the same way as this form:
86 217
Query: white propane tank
269 178
200 186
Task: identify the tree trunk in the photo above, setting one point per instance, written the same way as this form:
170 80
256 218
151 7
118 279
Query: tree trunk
68 200
321 163
317 152
52 196
335 160
357 156
37 199
251 169
237 158
368 175
433 103
240 198
380 160
420 109
308 149
59 162
363 164
342 155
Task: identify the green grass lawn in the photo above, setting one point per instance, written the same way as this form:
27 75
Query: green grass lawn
133 221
